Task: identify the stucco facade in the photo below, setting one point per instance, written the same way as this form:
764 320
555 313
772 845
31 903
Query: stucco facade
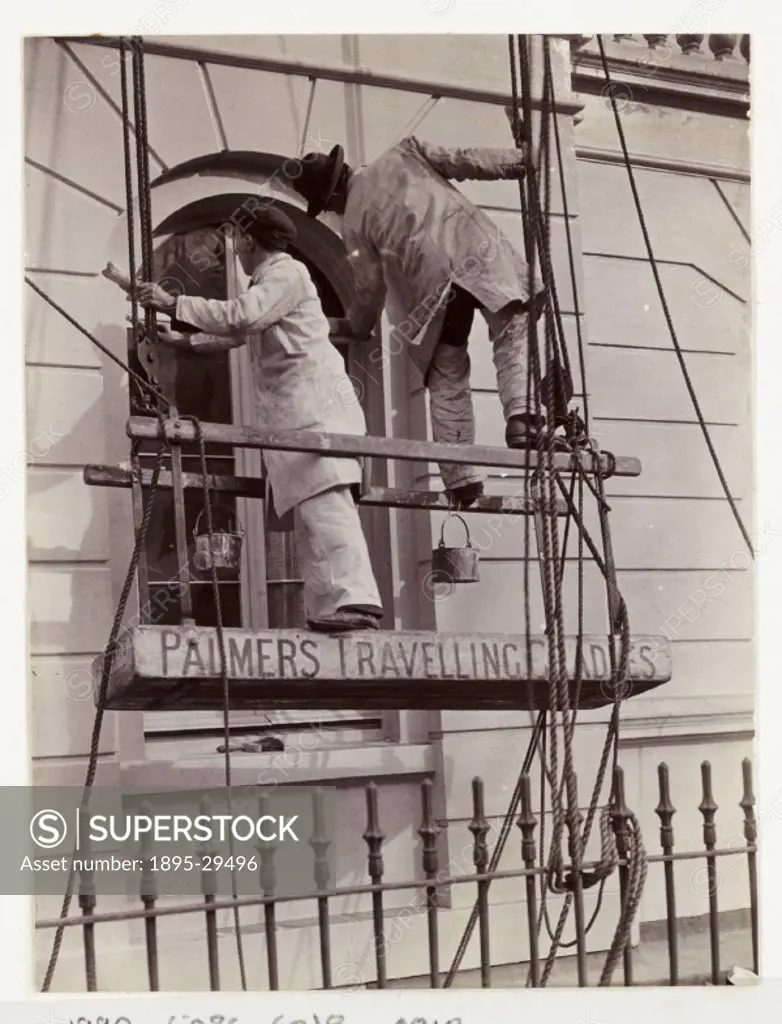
681 561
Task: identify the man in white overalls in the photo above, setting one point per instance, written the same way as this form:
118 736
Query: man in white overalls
300 384
415 239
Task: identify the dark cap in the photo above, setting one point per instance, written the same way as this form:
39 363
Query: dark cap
317 176
267 224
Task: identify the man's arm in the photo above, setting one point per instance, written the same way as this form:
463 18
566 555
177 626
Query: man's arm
275 295
369 284
197 343
473 164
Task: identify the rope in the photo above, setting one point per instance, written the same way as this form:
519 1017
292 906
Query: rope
224 683
499 847
98 344
570 248
565 818
129 202
150 327
664 303
142 158
638 867
108 658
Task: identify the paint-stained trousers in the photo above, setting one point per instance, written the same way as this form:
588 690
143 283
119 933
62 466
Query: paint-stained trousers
448 381
333 555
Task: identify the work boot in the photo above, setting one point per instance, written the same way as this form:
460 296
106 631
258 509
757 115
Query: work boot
347 620
466 495
523 432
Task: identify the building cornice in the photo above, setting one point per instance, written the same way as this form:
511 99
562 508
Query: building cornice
664 74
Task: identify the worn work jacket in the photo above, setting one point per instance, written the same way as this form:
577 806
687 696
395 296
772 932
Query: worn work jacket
299 377
410 235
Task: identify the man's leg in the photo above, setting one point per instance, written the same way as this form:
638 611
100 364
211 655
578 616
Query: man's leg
450 394
340 587
451 410
509 334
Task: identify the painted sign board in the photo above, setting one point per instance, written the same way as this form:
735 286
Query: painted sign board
423 669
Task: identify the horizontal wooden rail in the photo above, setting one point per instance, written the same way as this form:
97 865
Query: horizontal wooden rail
115 476
147 428
437 501
382 497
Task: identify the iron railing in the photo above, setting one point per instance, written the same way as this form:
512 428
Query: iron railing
431 888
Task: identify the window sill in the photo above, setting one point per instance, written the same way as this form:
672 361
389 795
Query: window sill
295 766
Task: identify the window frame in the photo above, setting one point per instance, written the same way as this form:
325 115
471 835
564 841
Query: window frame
365 363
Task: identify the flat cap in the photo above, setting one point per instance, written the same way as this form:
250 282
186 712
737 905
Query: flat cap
266 222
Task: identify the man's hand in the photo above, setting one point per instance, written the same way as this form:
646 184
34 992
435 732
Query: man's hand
154 297
176 339
164 335
340 328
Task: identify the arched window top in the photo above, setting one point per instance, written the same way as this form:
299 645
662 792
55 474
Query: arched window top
315 243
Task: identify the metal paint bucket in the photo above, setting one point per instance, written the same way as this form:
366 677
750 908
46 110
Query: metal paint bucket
455 565
225 550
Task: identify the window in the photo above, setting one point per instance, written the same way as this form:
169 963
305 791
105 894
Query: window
217 388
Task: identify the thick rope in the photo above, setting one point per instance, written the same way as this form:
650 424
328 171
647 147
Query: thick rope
142 158
570 248
664 303
224 683
132 375
560 693
638 867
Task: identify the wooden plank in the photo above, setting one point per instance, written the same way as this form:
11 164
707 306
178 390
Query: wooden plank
254 487
172 667
435 501
115 476
353 445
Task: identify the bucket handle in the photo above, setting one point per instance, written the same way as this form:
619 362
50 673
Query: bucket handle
216 505
464 524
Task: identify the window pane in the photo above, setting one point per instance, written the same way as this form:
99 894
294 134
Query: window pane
192 264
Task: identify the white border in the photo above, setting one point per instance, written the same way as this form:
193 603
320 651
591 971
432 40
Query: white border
764 21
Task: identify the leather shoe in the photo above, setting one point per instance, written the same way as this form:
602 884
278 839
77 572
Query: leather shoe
345 620
465 495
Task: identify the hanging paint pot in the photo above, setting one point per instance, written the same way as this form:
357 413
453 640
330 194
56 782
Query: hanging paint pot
223 549
455 565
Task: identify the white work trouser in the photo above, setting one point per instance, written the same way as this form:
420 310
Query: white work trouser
450 396
333 555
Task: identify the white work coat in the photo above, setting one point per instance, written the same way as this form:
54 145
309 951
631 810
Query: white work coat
410 235
299 377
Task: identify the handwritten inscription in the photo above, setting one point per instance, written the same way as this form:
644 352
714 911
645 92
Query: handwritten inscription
399 656
101 1020
423 1020
215 1019
335 1018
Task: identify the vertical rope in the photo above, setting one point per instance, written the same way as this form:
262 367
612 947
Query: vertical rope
666 311
224 686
